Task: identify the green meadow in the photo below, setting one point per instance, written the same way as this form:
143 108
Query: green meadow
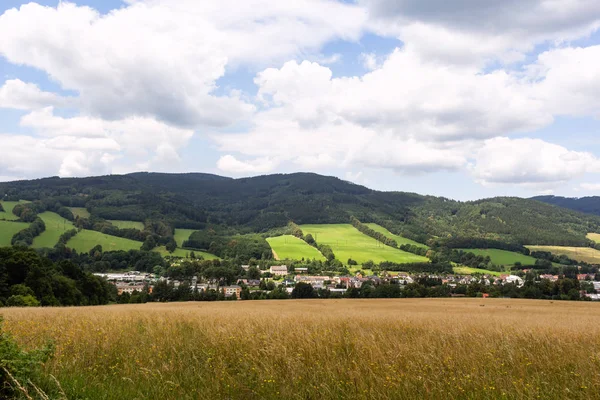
80 212
55 227
8 208
183 253
470 271
399 239
502 257
127 224
8 230
347 242
86 240
181 235
289 247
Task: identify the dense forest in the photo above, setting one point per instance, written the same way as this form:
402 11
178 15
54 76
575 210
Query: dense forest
260 204
590 205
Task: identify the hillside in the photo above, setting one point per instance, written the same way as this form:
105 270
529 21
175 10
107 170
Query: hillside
589 205
260 204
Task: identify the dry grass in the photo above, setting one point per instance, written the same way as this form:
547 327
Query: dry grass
333 349
585 254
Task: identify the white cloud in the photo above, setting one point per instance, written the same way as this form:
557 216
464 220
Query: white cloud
590 187
27 96
530 162
229 163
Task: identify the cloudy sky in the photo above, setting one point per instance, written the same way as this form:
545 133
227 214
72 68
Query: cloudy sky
465 99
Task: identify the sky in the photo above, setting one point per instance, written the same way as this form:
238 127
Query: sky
465 99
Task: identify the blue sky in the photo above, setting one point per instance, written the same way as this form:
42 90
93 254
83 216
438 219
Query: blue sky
469 101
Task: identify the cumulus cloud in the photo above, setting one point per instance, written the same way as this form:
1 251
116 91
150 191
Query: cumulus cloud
229 163
590 187
20 95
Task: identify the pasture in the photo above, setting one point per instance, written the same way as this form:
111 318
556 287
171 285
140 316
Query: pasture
80 212
585 254
319 349
470 271
8 208
347 242
86 240
181 235
399 239
127 224
289 247
502 257
595 237
8 230
183 253
55 227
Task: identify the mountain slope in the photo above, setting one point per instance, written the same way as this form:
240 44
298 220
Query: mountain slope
590 205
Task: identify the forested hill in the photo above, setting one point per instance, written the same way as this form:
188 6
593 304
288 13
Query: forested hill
262 203
590 205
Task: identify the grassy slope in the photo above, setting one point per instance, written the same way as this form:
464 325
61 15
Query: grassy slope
55 226
502 257
347 242
80 211
594 236
341 349
127 224
8 230
585 254
289 247
470 271
399 239
7 213
182 235
184 253
85 240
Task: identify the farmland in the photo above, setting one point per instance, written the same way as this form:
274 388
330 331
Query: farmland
181 235
8 230
502 257
470 271
289 247
342 349
185 253
7 213
594 237
399 239
55 227
585 254
128 224
347 242
80 212
85 240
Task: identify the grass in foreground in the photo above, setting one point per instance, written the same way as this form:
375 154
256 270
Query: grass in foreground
502 257
331 349
127 224
86 240
181 235
347 242
55 227
586 254
80 212
8 230
289 247
399 239
594 237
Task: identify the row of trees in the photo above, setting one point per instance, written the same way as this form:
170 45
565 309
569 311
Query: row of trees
25 237
325 249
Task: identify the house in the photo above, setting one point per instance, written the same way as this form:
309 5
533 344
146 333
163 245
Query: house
514 279
551 278
245 267
233 290
301 270
129 288
279 270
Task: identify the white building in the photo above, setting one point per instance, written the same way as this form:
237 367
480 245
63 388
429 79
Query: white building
279 270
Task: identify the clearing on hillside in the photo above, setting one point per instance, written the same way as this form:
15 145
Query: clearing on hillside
8 230
470 271
502 257
8 208
347 242
585 254
289 247
183 253
86 240
594 237
80 212
399 239
127 224
181 235
55 227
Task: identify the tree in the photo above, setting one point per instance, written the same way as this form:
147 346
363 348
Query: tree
309 239
303 290
22 301
253 273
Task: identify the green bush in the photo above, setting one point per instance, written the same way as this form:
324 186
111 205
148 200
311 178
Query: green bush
22 301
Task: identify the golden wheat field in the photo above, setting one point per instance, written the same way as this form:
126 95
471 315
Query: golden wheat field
313 349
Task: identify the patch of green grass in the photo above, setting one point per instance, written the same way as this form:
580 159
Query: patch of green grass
594 237
502 257
462 270
8 208
185 253
181 235
80 212
347 242
585 254
399 239
289 247
127 224
86 240
55 227
8 230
